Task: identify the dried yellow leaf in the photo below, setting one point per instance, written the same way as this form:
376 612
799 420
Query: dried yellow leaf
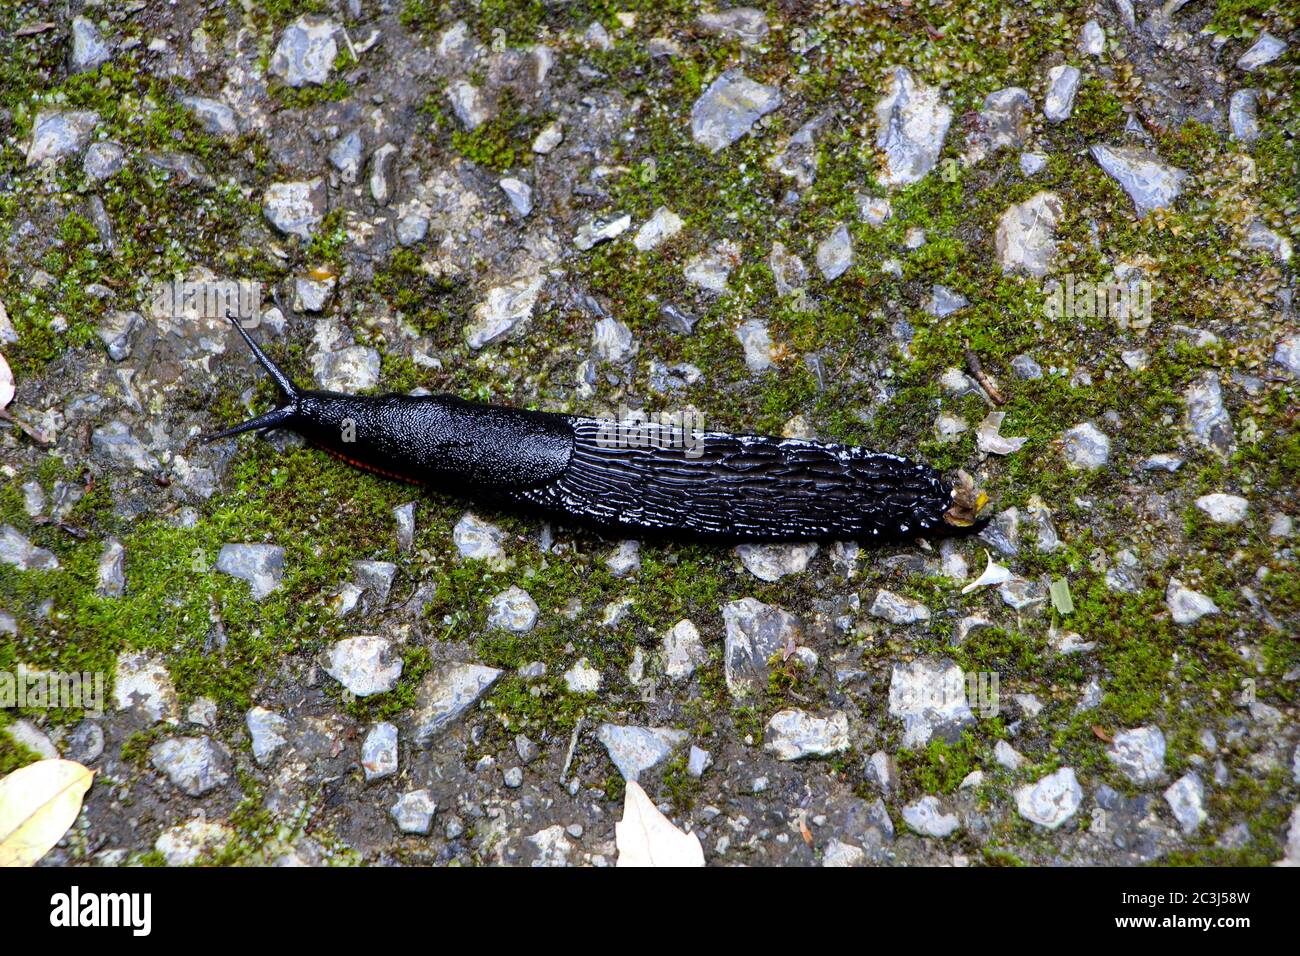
38 804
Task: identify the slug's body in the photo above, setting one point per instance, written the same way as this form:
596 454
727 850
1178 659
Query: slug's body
716 486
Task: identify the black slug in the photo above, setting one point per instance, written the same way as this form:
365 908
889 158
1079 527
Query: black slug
686 484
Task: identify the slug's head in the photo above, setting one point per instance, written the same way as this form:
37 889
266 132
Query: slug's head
967 502
276 417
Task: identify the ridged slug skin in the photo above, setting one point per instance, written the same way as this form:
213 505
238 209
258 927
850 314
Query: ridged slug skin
742 488
714 486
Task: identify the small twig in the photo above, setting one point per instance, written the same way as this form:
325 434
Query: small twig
976 369
26 429
573 746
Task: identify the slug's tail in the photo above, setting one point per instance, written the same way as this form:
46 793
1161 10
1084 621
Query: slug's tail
272 418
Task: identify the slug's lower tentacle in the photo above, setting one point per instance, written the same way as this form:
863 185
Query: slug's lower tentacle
709 485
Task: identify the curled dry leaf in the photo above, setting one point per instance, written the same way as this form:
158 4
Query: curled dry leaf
988 439
994 574
38 803
645 837
6 383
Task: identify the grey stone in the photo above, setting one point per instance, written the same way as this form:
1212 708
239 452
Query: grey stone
1224 509
1259 236
582 678
103 160
683 651
930 698
593 233
928 818
1262 52
446 693
1139 754
365 665
267 731
912 121
89 48
261 565
1092 41
729 107
1287 354
1243 115
306 52
351 369
1208 422
882 771
141 683
698 762
788 271
835 253
1150 183
346 155
660 227
312 295
379 752
116 331
192 842
634 750
549 847
944 302
518 193
513 610
469 104
213 115
1003 123
840 854
59 133
477 539
1026 368
550 137
1026 234
771 562
86 743
513 777
897 609
792 734
119 446
382 181
111 572
745 24
1186 798
1007 756
527 750
1052 800
798 160
754 632
1032 163
1085 446
413 812
757 343
612 341
710 270
504 308
1162 462
1187 606
295 208
625 559
1062 85
194 765
19 552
